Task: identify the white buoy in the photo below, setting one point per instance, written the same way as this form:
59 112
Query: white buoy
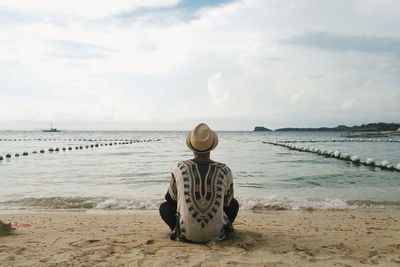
370 162
398 167
336 154
345 156
390 167
384 163
355 158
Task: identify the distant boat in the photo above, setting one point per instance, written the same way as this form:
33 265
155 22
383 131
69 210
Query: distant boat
51 130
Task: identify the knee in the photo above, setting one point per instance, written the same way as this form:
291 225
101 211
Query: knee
234 204
163 207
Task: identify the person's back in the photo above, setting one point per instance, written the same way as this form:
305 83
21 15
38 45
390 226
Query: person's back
200 205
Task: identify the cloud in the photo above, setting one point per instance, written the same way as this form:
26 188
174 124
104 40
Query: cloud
80 50
88 8
117 64
218 93
341 43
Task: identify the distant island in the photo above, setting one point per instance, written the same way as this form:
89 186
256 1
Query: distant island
261 129
380 126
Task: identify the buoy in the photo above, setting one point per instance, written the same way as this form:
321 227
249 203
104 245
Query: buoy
25 154
96 145
34 152
57 149
336 154
345 156
390 167
70 148
76 147
355 159
1 157
398 167
63 148
16 154
8 156
384 163
51 149
370 162
42 151
80 147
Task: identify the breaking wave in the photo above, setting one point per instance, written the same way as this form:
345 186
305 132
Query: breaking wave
86 203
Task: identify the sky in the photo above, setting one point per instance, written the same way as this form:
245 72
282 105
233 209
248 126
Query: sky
171 64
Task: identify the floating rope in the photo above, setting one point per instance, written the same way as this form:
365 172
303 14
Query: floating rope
71 139
341 141
57 149
384 165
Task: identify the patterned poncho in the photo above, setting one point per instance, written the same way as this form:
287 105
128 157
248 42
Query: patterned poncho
200 200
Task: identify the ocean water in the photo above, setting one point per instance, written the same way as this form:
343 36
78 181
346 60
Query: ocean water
134 172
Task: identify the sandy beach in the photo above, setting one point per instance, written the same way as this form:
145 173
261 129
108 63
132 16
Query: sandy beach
267 238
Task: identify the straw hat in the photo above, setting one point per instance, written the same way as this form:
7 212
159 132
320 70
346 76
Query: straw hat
202 139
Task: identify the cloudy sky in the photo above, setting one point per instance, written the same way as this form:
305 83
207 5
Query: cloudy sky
170 64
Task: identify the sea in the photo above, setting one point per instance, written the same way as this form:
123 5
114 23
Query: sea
131 170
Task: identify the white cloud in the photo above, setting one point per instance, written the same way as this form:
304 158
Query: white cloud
226 62
218 93
88 8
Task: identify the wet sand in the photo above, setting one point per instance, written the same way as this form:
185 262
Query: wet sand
267 238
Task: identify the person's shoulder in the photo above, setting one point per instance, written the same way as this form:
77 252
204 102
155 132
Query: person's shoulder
223 167
181 164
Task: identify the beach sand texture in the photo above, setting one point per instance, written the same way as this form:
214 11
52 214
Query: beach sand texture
267 238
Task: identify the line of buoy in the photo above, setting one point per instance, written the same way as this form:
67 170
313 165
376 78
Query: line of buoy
57 149
84 140
340 141
384 164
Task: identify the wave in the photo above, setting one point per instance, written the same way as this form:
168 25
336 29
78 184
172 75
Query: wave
80 203
87 203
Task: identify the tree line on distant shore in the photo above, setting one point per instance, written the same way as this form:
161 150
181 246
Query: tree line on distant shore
380 126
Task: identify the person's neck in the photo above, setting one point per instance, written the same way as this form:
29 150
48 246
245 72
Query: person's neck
202 157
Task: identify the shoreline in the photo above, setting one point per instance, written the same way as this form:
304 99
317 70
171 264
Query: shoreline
262 238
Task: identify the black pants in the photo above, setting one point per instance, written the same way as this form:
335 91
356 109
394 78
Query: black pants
168 212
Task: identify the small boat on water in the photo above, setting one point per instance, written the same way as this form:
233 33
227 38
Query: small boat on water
51 130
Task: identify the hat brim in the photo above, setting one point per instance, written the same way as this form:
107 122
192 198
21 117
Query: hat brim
214 144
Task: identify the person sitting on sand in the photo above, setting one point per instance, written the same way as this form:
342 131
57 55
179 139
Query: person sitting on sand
199 203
